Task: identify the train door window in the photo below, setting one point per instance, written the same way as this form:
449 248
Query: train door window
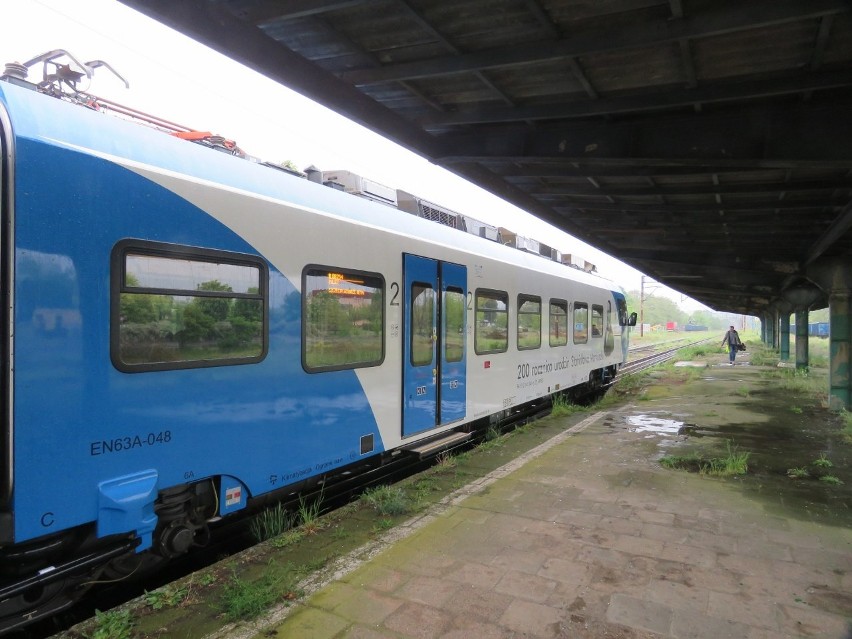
597 320
621 307
422 329
454 313
529 322
342 319
581 322
491 333
184 307
558 322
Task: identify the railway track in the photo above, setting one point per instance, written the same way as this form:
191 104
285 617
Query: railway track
659 357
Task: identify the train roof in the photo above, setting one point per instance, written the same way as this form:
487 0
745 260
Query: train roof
41 118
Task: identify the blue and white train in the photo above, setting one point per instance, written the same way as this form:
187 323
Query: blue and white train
185 332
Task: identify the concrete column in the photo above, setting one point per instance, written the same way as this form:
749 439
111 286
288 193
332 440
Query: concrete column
800 298
763 327
834 276
840 338
784 336
802 339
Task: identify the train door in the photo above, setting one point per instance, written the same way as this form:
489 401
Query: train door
434 336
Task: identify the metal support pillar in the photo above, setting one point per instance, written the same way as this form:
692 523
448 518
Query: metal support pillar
840 350
802 339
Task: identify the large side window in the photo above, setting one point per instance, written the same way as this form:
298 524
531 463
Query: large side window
492 322
183 307
529 322
581 322
597 320
342 319
558 322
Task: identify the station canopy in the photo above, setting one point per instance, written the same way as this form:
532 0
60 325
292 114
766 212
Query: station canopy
707 143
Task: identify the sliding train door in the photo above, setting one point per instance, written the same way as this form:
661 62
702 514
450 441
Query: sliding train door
434 355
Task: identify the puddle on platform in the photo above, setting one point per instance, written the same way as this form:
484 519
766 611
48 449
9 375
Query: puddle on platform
652 424
788 433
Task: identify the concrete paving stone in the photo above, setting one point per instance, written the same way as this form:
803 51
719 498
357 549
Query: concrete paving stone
567 571
690 625
377 577
464 628
696 523
577 515
805 621
664 533
743 564
824 559
476 574
805 573
335 594
357 632
525 586
656 517
419 621
797 537
613 510
744 608
621 525
367 607
639 613
711 541
418 560
315 623
680 597
432 591
522 560
759 547
688 555
634 545
763 633
533 619
478 603
600 556
716 579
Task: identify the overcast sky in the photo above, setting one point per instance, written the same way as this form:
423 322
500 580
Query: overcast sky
177 79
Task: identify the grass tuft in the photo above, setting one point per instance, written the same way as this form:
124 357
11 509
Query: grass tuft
245 599
734 463
112 624
272 522
387 500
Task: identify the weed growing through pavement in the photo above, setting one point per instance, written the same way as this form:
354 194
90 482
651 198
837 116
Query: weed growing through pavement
734 463
445 460
247 599
112 624
287 538
562 406
798 473
822 462
831 480
309 514
271 523
166 597
387 500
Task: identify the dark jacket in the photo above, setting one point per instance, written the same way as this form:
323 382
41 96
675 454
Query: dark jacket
732 338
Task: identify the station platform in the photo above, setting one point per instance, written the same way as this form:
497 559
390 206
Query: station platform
588 536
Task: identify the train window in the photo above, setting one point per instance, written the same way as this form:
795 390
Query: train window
491 334
597 320
182 307
342 319
621 307
558 322
529 322
454 334
581 322
422 329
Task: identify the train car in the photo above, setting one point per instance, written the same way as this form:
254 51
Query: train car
186 333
